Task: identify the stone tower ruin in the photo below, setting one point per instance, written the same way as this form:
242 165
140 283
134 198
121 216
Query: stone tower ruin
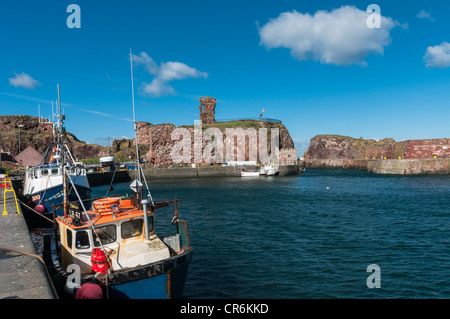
207 109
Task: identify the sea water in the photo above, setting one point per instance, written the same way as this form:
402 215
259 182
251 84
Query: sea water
313 235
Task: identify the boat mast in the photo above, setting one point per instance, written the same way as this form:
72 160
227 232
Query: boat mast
62 152
135 135
134 117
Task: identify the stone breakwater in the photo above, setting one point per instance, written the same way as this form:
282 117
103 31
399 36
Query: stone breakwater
387 156
437 166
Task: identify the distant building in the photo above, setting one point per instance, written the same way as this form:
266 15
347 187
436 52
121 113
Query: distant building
288 156
29 157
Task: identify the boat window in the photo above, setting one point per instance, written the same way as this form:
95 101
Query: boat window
151 223
69 238
34 174
107 235
54 171
82 240
44 172
131 228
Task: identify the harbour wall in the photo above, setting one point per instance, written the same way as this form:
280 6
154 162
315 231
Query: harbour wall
22 274
437 166
105 178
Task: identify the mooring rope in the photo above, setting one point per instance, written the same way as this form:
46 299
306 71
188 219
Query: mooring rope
50 220
40 259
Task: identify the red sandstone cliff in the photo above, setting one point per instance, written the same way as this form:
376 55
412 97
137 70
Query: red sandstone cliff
39 136
328 147
159 141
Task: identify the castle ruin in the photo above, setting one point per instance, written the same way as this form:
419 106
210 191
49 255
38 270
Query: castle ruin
207 109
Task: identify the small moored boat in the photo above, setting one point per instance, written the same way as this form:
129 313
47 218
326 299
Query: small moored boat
249 173
269 170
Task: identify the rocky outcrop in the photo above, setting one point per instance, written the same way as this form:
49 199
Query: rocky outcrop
343 147
159 143
386 156
39 136
155 141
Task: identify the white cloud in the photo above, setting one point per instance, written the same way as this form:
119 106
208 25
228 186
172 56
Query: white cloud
146 61
166 72
438 56
425 15
157 88
177 71
23 80
339 37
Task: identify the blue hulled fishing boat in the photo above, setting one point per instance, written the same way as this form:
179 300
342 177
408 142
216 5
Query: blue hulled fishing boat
112 250
43 184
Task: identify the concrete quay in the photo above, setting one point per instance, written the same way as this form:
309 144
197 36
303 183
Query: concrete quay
22 274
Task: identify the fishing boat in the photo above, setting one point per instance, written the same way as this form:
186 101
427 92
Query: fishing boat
43 184
269 170
114 249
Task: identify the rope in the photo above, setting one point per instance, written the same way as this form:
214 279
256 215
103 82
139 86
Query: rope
40 259
46 184
50 220
114 174
94 232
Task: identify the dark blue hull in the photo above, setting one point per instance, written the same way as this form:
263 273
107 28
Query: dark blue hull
55 196
161 280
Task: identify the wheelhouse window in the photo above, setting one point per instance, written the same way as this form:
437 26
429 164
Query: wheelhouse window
44 172
131 228
54 171
69 237
82 239
151 223
106 234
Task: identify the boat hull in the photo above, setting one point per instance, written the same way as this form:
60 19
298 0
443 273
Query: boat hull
249 174
55 196
166 281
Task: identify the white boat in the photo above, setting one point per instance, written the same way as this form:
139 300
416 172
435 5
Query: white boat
43 185
269 170
249 174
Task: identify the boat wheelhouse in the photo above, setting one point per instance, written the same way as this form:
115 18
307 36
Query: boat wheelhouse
44 184
137 264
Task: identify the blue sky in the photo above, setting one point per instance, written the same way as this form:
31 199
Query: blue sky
311 64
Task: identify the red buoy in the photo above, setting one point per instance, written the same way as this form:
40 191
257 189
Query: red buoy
99 261
89 291
39 208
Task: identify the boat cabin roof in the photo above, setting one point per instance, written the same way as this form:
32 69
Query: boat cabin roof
125 210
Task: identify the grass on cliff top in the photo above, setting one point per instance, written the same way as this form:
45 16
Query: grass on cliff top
238 123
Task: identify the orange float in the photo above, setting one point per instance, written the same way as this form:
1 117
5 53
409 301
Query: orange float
104 205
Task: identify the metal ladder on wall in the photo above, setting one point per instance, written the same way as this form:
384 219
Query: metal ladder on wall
6 184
